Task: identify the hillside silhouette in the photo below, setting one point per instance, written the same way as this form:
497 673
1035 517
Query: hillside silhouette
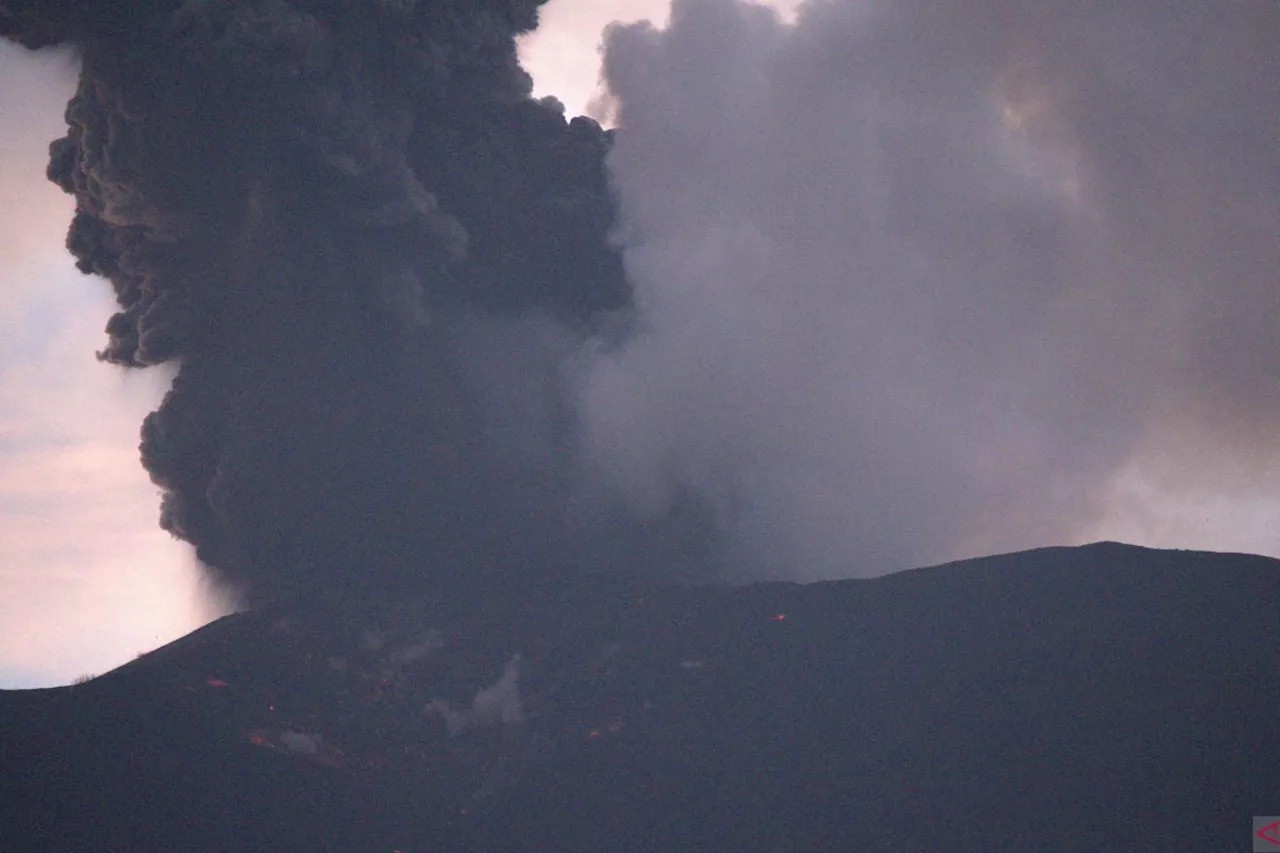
1105 697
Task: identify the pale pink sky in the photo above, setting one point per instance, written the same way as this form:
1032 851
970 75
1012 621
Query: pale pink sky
87 578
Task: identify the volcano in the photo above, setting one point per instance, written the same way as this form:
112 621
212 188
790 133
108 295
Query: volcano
1105 697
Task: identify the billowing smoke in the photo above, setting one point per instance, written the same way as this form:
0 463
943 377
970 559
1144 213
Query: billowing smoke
899 281
366 247
915 279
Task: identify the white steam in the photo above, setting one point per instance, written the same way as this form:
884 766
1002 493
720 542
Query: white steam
499 704
921 279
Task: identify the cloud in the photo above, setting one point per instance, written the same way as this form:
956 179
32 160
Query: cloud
903 282
919 280
305 210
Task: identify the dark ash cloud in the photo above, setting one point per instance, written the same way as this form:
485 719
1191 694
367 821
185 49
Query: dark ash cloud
318 209
892 284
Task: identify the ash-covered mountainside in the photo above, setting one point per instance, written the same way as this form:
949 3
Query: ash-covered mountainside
1096 698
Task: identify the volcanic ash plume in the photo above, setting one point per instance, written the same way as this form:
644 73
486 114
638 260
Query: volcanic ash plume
917 279
317 209
904 281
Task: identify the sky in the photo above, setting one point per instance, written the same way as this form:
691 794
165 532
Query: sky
885 271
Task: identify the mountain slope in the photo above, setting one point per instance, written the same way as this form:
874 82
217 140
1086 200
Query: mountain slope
1104 697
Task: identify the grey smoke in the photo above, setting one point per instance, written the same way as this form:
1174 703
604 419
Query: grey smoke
903 281
918 279
496 704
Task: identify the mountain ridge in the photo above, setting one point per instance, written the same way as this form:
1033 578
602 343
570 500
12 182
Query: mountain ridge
1097 697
